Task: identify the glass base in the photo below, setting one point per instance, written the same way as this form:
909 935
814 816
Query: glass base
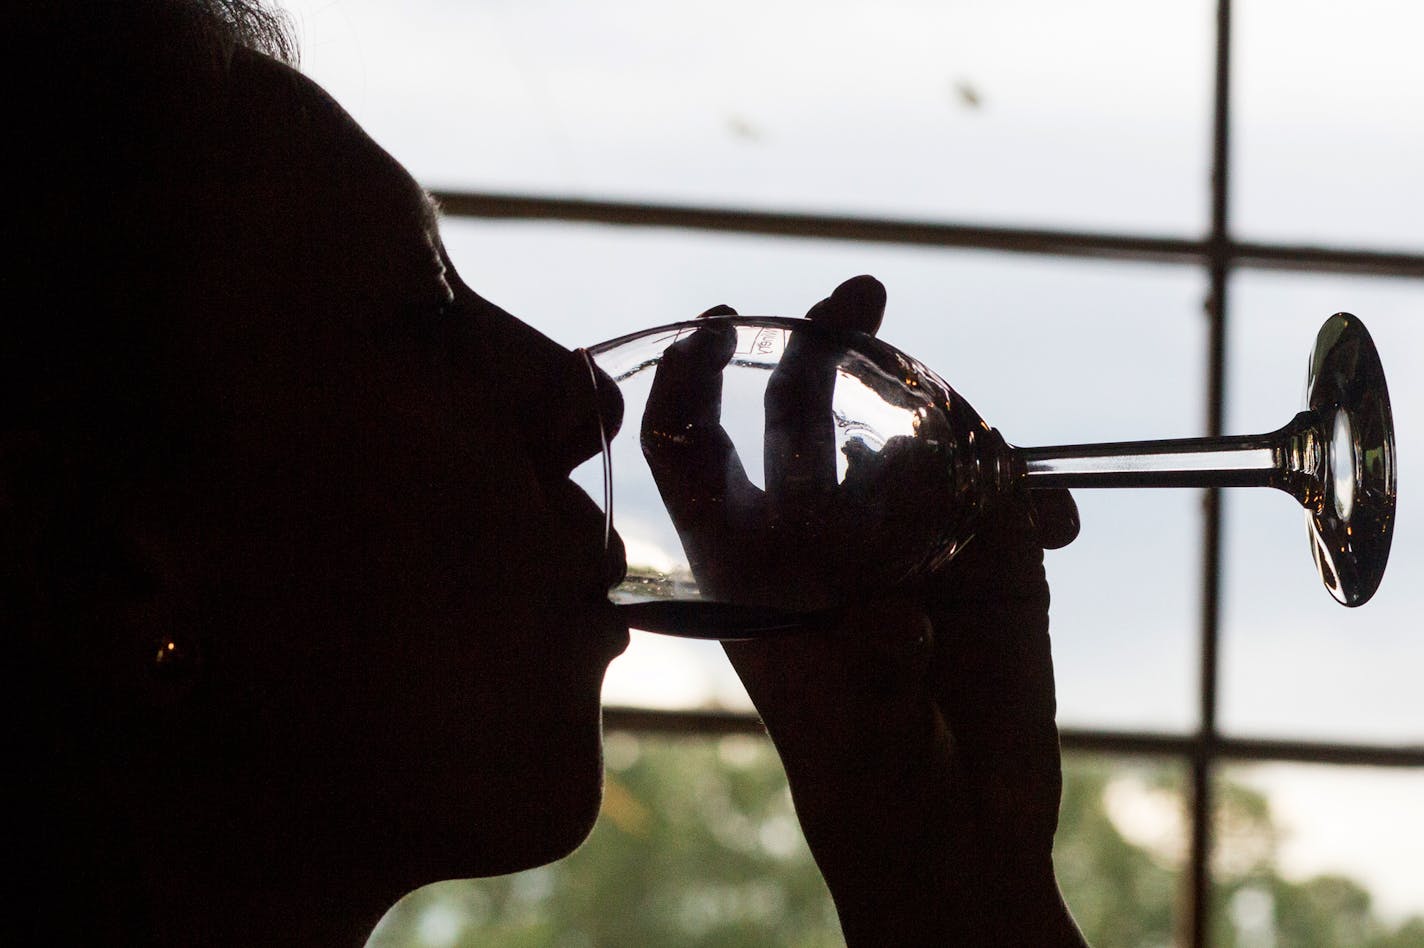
1352 523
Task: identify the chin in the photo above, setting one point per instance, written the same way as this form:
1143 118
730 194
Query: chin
520 784
547 818
473 840
513 810
556 834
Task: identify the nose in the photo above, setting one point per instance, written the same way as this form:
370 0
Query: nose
586 414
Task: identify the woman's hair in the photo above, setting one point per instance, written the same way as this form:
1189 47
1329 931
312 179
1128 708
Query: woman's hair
247 23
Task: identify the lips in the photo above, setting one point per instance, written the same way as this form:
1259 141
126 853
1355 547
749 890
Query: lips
615 567
615 561
611 629
598 569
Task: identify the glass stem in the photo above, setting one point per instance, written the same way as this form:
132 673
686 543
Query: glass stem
1266 460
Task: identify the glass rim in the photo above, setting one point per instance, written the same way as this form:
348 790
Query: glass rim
604 449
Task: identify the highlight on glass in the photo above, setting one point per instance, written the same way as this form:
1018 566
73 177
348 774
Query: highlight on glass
772 471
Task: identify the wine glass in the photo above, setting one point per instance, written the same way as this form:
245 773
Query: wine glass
778 469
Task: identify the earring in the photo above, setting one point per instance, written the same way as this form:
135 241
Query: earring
174 665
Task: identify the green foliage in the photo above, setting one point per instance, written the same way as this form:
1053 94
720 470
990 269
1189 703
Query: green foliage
1120 893
697 846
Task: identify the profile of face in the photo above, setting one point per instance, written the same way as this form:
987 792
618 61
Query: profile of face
399 596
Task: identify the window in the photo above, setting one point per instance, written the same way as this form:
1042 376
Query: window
1034 183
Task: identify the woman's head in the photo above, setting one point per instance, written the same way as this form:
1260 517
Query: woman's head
256 416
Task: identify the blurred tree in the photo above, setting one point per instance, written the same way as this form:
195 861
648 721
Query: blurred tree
1119 891
698 846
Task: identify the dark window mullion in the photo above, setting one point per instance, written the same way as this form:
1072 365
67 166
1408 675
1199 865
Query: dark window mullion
1218 269
1140 248
717 723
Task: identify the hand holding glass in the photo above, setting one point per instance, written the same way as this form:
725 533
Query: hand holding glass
874 472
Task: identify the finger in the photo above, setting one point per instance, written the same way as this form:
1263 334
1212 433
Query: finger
686 394
682 436
799 440
1055 516
694 463
857 304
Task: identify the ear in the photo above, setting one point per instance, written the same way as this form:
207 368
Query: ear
99 609
147 616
